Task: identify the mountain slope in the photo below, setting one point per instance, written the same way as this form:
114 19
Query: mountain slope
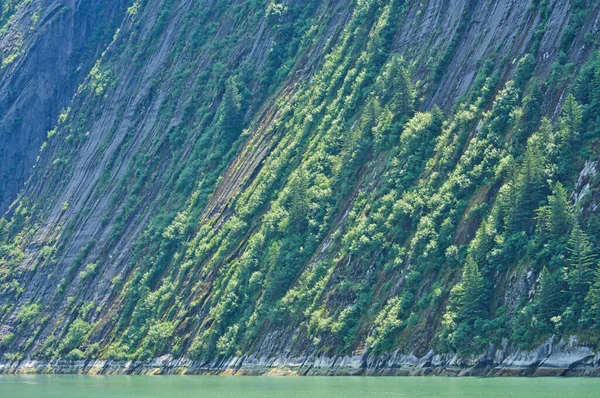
46 49
297 179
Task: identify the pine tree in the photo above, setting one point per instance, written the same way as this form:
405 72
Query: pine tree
572 115
369 117
561 212
532 109
468 294
569 139
299 202
532 182
595 84
549 299
531 179
397 87
554 222
230 111
591 313
461 326
581 263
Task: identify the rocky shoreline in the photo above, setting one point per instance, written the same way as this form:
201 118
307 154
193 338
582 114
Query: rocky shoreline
553 358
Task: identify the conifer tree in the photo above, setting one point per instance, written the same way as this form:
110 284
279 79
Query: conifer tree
581 263
299 203
561 212
466 307
468 294
556 217
569 136
572 115
397 87
532 109
230 111
549 298
369 117
591 314
595 84
531 179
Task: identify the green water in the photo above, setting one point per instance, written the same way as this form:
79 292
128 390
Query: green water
40 386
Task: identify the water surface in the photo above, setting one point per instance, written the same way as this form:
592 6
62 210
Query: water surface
74 386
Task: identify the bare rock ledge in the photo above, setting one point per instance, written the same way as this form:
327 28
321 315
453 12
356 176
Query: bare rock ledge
553 358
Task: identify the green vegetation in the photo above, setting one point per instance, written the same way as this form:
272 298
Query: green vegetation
28 314
307 191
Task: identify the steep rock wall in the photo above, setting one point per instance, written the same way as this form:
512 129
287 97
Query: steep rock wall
51 46
141 208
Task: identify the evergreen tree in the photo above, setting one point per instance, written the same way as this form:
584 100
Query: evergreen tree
369 117
299 202
591 313
555 219
531 182
461 327
230 111
569 137
581 263
572 115
532 109
397 88
468 294
561 212
595 84
549 299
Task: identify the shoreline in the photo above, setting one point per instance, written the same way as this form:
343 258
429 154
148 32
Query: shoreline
110 368
551 359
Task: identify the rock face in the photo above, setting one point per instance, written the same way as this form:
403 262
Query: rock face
554 358
211 190
57 43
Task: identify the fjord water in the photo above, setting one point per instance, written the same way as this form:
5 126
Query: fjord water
75 386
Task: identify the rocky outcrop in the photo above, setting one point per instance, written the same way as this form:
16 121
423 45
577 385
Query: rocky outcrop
553 358
52 45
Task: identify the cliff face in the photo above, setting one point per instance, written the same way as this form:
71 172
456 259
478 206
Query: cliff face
297 179
47 48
